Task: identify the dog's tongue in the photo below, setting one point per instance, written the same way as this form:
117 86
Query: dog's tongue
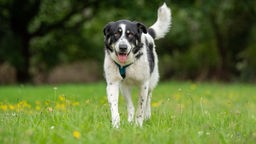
122 58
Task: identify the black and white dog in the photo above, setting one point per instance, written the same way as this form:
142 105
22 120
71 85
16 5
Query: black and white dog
131 59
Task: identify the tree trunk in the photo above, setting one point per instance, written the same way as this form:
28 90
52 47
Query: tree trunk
223 70
23 74
21 14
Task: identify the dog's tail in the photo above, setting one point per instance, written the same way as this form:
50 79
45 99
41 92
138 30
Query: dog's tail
161 26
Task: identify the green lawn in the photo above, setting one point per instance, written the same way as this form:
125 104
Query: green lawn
182 112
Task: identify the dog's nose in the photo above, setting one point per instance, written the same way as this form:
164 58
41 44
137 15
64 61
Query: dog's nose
123 47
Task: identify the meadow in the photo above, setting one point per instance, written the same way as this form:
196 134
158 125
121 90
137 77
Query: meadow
182 112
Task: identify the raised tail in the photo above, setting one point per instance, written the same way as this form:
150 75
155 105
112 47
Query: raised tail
162 25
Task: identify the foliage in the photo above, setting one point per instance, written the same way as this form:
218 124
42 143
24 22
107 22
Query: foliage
38 35
181 113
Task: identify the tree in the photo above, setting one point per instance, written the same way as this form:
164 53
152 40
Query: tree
17 18
232 22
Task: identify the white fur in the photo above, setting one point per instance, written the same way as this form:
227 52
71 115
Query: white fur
163 23
137 74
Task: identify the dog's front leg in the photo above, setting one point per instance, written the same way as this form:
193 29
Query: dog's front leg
112 92
142 103
126 91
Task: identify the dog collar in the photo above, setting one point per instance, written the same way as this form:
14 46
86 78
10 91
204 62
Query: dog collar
122 69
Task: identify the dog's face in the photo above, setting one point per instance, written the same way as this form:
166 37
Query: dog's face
123 40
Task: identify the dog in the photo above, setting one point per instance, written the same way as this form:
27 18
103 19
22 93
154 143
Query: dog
131 60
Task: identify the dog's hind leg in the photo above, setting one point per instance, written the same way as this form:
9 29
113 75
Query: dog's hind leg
126 92
148 106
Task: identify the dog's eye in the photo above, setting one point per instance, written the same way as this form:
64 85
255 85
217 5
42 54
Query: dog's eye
117 34
130 35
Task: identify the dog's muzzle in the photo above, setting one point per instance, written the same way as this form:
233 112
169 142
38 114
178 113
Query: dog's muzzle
122 52
123 48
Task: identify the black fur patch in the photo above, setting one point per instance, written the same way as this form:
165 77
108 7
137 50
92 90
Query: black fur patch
151 58
107 46
152 33
137 48
138 55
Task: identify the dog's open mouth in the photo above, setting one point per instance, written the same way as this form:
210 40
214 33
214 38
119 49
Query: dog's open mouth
122 57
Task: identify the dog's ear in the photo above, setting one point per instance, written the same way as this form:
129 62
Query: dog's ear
141 27
107 27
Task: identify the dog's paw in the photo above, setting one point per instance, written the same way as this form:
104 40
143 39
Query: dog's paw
147 115
130 114
147 112
116 125
116 122
130 119
139 121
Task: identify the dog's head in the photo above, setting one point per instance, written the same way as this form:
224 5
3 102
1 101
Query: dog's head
123 40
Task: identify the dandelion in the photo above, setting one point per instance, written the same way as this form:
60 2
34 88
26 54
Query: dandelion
75 103
76 134
156 104
47 102
60 106
4 107
11 107
24 104
61 98
38 108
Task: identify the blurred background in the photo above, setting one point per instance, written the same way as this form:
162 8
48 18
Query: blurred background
61 41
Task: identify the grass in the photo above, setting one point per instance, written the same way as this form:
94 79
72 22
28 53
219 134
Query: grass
182 112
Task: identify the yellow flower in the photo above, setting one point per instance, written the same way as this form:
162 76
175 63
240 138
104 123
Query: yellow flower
38 108
47 102
156 104
11 107
76 134
61 98
75 103
23 104
4 107
60 106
